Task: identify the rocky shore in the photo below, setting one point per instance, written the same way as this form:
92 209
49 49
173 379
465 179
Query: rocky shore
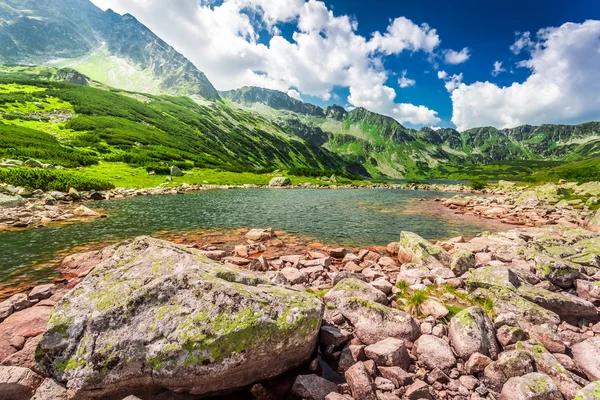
510 315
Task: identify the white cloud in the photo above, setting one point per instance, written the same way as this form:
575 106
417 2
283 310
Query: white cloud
452 81
563 86
294 94
405 82
456 57
435 128
325 52
498 68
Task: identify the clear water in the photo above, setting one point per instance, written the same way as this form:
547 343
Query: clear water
348 217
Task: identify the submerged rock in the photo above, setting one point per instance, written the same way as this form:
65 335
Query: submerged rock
157 315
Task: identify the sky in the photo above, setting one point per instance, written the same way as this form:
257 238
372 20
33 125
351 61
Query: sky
439 63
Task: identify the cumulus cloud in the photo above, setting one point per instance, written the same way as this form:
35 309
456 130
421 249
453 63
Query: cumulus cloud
452 81
405 82
325 51
456 57
563 85
294 94
498 68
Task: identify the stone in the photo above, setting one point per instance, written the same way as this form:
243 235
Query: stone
590 392
7 201
434 352
293 275
351 355
533 386
510 364
548 337
398 376
471 331
470 382
260 234
331 335
421 251
354 288
83 211
434 308
383 385
462 261
74 194
418 391
178 321
508 335
27 323
17 342
176 171
337 396
18 383
280 181
80 264
374 322
568 307
6 309
42 292
383 285
50 390
25 357
556 271
389 352
487 277
313 387
360 382
20 301
587 357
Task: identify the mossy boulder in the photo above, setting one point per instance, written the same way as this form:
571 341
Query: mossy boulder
421 251
280 181
567 306
492 277
533 386
156 315
590 392
462 261
471 331
352 287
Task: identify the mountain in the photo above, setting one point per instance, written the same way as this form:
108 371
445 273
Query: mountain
386 147
44 116
116 50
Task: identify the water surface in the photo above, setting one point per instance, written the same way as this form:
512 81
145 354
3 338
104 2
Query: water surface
347 217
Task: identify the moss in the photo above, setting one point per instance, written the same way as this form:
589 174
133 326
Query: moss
538 385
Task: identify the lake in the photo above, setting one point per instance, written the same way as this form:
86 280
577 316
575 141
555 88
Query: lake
351 217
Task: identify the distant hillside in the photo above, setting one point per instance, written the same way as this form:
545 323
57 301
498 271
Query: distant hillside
116 50
385 147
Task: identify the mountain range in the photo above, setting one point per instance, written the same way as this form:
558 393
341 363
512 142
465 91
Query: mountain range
85 45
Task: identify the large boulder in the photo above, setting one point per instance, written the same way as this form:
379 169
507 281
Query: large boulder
568 307
533 386
374 322
492 277
18 383
421 251
176 171
156 315
590 392
280 181
433 352
471 331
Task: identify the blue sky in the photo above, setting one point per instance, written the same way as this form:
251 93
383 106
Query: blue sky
354 53
487 28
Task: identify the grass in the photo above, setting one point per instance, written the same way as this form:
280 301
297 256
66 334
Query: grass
414 302
35 178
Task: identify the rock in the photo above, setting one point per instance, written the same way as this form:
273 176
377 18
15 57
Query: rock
351 355
176 171
280 181
508 335
18 383
510 364
331 335
80 264
27 323
6 308
337 396
587 290
33 163
74 194
421 251
587 357
360 382
434 308
389 352
477 363
462 261
7 201
556 271
418 391
434 352
492 277
396 375
533 386
260 234
83 211
590 392
354 288
17 342
568 307
383 285
42 292
548 337
20 301
293 275
471 331
50 390
25 356
374 322
313 387
178 321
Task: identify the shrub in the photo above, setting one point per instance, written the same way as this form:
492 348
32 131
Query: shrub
51 180
478 185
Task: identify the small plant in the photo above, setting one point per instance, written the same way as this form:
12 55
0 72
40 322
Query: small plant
478 185
414 302
402 285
